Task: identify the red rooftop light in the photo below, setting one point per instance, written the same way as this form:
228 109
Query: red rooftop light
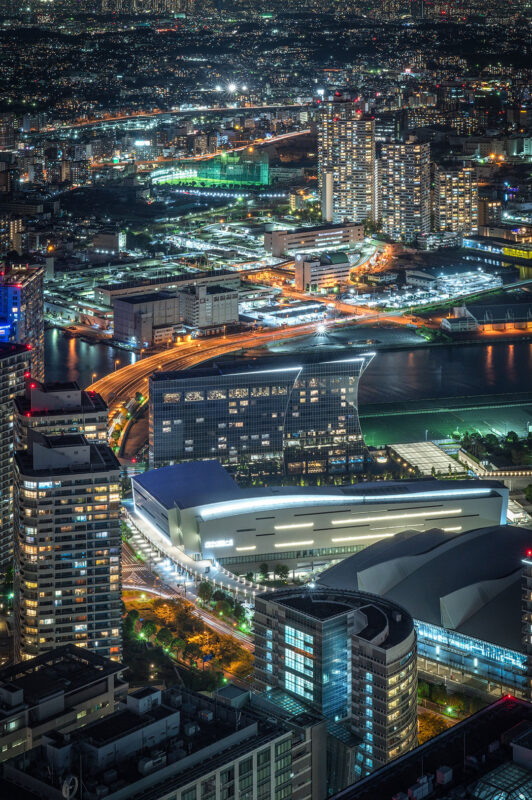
33 385
27 374
529 553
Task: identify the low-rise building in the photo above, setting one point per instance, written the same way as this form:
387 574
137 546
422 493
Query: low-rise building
58 691
177 745
208 306
199 508
323 271
487 756
136 317
319 237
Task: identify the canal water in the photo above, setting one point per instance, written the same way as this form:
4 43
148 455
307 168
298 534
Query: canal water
394 376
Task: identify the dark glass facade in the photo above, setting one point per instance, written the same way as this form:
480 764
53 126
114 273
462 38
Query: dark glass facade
281 418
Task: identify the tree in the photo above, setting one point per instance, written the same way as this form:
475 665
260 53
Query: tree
222 608
177 644
512 437
192 651
249 576
205 591
148 628
263 571
239 612
528 492
282 571
164 637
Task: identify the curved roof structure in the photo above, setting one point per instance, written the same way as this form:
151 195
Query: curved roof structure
469 582
207 486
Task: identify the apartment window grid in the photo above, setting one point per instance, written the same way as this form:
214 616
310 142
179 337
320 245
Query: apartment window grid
68 549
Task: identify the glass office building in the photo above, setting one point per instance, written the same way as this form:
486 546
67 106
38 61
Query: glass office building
261 418
349 656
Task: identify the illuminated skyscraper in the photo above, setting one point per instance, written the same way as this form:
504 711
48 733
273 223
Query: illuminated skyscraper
455 199
22 312
14 362
405 189
67 546
346 162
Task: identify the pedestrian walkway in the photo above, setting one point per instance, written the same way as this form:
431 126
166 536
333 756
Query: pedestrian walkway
176 566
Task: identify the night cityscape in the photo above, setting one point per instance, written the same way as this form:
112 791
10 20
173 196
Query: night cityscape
265 400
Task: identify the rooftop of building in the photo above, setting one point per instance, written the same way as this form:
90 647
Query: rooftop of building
148 297
321 605
179 277
89 401
338 226
100 457
466 582
213 288
284 362
247 731
207 483
8 350
115 726
490 767
63 670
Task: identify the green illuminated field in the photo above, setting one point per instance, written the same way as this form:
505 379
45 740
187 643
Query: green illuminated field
396 427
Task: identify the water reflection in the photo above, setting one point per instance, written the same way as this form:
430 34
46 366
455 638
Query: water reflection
393 376
70 359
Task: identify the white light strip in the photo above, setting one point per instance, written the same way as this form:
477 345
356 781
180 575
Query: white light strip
271 503
383 518
293 544
251 547
294 525
219 543
452 530
364 536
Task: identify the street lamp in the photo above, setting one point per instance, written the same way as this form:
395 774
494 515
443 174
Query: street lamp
117 362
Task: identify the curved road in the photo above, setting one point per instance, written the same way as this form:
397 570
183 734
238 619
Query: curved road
120 386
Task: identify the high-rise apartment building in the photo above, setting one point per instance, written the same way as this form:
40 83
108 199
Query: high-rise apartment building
14 363
347 655
455 199
405 189
281 416
67 546
346 162
22 312
57 409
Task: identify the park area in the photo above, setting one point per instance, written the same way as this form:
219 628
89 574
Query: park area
173 640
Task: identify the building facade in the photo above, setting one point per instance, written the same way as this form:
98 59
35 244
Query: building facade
200 509
67 546
346 162
278 417
324 271
60 691
405 189
206 307
14 364
319 238
469 595
177 745
58 408
455 199
22 312
347 655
